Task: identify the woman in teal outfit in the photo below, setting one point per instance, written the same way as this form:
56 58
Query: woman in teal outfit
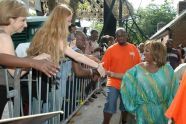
148 88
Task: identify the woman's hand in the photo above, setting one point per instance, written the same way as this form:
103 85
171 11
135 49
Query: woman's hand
101 70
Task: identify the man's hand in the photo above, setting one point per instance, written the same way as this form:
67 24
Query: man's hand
114 74
109 74
45 66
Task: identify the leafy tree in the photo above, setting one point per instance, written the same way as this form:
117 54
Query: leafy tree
98 26
148 18
74 5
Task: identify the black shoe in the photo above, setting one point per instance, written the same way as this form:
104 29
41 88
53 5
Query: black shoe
98 92
87 103
91 100
87 89
94 96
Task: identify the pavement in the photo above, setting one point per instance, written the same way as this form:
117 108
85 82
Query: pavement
93 113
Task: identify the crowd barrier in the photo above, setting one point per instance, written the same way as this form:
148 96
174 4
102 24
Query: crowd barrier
35 93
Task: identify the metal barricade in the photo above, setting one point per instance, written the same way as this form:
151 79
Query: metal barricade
13 92
64 92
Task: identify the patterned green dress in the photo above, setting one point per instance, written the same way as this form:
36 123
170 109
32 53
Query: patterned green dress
148 95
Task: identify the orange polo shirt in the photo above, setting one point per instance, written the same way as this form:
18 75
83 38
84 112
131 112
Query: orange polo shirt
177 109
119 59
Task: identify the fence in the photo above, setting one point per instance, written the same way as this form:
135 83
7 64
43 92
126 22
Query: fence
36 93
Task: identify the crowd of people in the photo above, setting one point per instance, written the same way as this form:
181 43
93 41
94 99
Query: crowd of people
149 80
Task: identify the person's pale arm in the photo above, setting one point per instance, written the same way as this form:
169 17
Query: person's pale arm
80 57
85 60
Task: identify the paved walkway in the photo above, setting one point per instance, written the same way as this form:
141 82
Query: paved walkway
93 113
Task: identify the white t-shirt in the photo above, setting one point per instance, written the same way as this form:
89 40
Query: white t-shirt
21 49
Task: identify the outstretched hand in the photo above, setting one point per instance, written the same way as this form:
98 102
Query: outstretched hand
101 70
45 66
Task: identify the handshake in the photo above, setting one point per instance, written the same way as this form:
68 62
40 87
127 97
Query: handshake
99 70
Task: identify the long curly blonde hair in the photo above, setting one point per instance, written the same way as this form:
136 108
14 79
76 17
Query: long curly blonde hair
53 31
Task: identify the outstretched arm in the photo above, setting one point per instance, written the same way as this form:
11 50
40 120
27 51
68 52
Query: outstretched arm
85 60
44 66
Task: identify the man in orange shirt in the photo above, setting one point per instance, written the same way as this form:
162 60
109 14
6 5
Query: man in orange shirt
118 58
177 109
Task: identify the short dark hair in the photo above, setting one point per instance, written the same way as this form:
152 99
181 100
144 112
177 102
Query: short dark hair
92 31
70 27
120 29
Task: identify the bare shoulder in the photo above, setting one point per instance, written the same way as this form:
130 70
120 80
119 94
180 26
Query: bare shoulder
6 44
5 37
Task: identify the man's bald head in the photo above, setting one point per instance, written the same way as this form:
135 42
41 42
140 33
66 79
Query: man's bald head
121 36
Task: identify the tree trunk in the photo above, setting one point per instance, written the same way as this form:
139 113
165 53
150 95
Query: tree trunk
74 5
110 21
120 13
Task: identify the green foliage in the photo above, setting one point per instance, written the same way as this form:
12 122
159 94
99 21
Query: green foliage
149 17
98 26
83 6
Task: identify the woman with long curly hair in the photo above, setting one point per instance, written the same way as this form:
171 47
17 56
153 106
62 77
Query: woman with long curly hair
51 38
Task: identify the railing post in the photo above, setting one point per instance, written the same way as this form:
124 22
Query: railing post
17 96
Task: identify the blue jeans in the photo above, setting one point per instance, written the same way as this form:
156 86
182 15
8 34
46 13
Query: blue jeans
111 100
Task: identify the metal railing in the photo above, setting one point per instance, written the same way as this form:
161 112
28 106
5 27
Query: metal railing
64 92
